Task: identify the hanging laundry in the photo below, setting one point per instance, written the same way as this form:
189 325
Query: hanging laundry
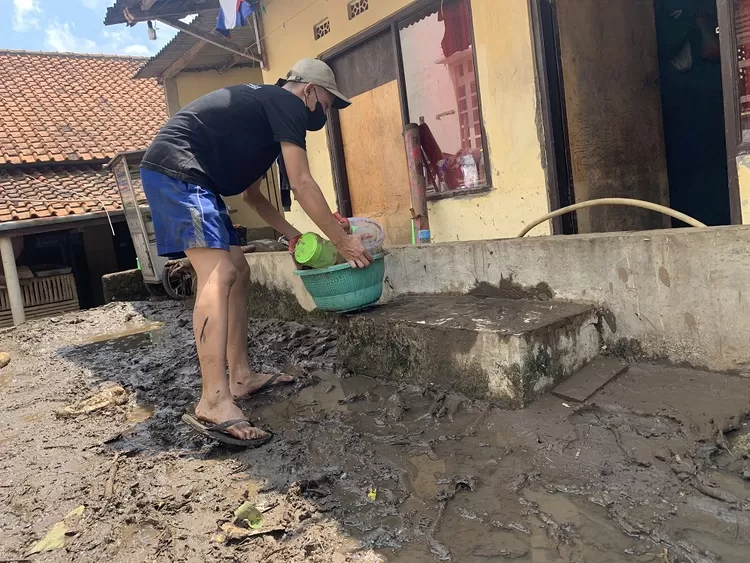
457 36
231 14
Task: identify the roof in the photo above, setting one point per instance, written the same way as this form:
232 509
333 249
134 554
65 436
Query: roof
49 192
209 57
65 107
163 8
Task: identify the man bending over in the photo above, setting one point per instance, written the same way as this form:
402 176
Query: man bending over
222 144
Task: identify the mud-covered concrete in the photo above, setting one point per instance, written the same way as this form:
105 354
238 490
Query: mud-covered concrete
508 350
680 294
124 286
653 468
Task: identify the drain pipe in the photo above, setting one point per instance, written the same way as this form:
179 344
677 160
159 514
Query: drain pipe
417 182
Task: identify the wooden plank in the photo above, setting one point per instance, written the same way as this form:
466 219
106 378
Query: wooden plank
590 380
375 158
213 39
183 60
229 62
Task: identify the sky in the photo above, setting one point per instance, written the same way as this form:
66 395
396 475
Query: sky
74 26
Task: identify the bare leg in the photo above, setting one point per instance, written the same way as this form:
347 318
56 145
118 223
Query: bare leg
216 274
242 380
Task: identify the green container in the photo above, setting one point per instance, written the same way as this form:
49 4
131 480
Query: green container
343 289
314 251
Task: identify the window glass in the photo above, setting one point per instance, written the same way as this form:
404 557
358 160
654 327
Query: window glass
441 88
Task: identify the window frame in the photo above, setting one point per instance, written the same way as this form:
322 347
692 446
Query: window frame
731 88
391 24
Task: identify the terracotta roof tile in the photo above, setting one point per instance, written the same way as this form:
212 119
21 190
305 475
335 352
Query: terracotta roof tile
64 106
32 193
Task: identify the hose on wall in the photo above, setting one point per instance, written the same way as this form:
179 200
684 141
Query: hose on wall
613 201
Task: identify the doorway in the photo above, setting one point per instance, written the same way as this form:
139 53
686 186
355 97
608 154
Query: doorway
635 110
693 108
372 146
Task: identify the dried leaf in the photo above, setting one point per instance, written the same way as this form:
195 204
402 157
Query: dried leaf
110 396
55 538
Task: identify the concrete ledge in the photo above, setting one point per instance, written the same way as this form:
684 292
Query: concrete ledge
676 294
274 290
506 350
124 286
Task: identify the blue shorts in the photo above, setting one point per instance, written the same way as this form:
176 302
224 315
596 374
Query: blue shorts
186 216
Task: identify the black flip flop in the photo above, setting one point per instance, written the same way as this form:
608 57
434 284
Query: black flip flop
218 432
271 382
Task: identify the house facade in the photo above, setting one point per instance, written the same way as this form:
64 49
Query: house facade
523 106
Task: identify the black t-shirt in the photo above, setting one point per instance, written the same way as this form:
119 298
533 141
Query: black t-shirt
226 140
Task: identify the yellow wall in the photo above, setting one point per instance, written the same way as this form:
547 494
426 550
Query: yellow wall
189 86
505 66
743 170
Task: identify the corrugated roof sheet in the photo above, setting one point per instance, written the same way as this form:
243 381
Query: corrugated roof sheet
166 8
210 56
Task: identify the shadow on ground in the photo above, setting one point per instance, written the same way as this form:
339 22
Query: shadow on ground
361 470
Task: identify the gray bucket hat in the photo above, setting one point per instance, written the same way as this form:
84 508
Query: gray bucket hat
315 71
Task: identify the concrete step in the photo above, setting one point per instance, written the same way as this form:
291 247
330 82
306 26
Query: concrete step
588 381
507 350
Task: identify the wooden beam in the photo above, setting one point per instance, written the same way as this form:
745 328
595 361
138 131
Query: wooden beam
184 60
229 62
172 96
146 5
213 39
259 36
235 59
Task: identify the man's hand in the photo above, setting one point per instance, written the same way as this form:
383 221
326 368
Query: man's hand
353 251
311 199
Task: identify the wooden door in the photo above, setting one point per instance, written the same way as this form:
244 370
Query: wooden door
371 135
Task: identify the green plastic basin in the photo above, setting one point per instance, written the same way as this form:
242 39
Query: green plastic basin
343 289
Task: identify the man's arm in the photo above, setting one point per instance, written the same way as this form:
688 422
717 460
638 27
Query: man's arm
311 199
273 218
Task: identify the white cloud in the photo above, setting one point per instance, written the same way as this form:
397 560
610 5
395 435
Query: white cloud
64 37
115 38
137 50
60 37
24 17
121 42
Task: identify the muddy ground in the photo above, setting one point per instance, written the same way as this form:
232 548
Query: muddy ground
653 468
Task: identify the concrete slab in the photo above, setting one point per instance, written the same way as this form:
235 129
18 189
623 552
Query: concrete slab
124 286
507 350
591 379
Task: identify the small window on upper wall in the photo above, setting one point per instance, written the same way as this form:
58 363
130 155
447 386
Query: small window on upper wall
357 7
443 98
322 29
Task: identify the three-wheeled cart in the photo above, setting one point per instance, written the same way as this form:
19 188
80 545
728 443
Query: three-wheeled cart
173 277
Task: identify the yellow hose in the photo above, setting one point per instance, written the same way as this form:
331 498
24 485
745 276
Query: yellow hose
614 201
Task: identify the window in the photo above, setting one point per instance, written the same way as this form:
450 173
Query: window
357 7
442 96
322 29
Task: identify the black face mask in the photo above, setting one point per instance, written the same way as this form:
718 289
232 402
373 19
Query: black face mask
317 118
